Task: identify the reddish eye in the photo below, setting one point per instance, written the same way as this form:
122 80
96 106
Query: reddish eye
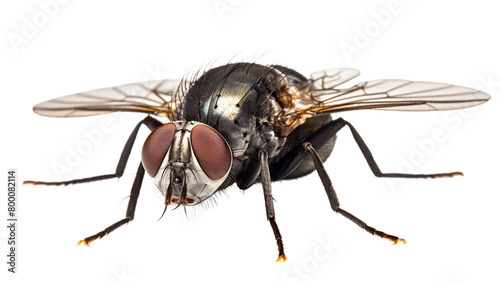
156 146
212 151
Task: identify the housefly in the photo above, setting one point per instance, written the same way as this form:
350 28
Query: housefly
245 123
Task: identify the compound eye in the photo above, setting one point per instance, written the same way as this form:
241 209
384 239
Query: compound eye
211 151
156 146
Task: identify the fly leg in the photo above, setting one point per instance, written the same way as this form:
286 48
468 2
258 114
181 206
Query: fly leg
294 158
129 215
149 121
265 177
340 123
334 201
259 166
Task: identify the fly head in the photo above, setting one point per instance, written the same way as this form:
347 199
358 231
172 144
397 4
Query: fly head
188 161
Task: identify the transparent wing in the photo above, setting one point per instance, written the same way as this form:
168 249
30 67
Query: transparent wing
331 78
318 96
396 95
154 97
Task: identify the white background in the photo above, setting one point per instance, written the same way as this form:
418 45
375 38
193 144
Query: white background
451 225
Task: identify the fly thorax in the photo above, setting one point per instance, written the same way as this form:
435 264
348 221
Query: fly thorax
266 139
